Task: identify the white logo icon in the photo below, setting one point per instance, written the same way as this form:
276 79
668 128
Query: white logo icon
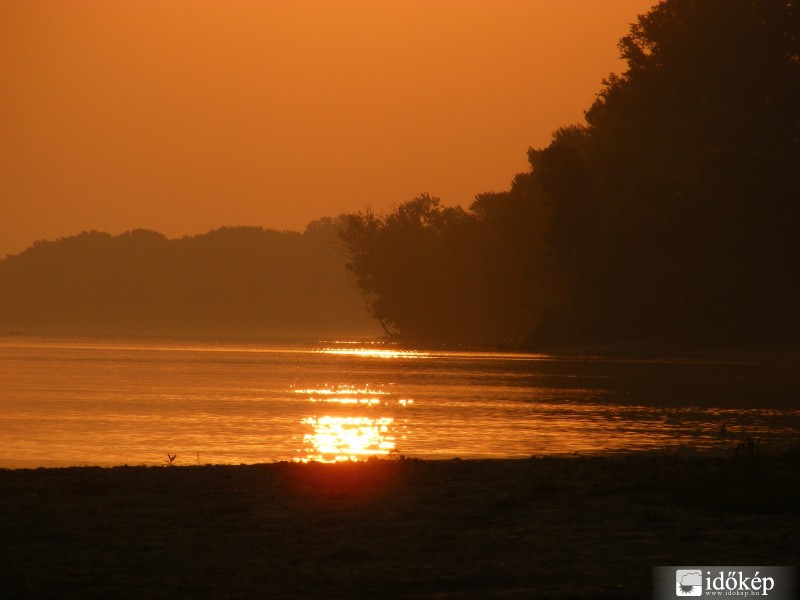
688 582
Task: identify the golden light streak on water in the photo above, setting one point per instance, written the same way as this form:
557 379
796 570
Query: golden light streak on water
79 401
343 395
336 439
348 429
375 352
339 391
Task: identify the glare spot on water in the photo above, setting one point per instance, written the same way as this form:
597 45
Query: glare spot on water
337 439
327 391
354 425
343 395
374 352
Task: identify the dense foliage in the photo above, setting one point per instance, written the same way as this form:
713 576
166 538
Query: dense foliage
231 281
668 217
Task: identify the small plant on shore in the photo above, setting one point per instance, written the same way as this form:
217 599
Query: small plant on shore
170 459
749 447
396 454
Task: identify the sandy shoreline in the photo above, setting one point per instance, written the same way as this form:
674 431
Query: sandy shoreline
539 528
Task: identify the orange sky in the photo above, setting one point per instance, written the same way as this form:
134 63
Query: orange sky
187 115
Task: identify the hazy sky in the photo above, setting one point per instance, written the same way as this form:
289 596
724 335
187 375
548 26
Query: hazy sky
187 115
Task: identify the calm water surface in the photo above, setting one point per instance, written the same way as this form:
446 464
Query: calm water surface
76 401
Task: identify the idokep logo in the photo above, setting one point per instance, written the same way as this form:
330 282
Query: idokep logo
768 582
688 582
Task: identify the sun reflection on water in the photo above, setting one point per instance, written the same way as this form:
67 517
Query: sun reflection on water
354 422
348 438
343 395
375 352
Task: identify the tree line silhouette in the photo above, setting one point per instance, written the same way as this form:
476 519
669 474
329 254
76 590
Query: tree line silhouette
670 217
243 281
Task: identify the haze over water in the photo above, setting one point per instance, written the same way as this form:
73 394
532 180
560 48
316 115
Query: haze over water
83 401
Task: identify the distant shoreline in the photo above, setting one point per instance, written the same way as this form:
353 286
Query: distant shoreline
782 352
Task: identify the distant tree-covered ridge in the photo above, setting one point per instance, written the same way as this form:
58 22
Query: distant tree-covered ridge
671 216
239 281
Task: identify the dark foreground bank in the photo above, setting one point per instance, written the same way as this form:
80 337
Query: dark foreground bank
540 528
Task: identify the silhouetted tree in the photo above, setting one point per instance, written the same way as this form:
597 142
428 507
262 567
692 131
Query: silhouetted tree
429 272
674 209
410 266
670 216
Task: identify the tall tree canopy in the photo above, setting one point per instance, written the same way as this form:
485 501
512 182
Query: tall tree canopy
429 272
669 216
675 207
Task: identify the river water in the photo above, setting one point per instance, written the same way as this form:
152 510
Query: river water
87 401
